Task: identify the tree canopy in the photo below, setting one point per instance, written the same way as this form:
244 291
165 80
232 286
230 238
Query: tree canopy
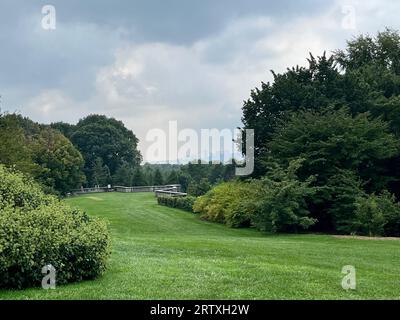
41 152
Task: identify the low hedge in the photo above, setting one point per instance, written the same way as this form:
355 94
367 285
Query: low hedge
37 230
184 203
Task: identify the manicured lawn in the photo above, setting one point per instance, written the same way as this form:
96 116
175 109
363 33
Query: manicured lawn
163 253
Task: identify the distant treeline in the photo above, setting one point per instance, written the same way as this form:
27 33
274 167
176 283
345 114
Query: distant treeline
96 151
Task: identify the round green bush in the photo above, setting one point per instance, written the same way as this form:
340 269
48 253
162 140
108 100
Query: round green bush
38 230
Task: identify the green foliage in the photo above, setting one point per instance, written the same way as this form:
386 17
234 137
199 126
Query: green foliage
68 240
14 149
344 152
38 230
184 203
97 136
172 178
314 87
183 180
331 139
368 82
66 129
42 152
19 191
231 203
138 178
340 195
61 163
282 200
200 188
376 214
124 175
342 115
158 179
99 173
276 203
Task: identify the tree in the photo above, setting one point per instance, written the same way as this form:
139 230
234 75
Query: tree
124 175
148 174
158 178
172 178
183 180
61 163
97 136
138 177
314 87
14 150
99 173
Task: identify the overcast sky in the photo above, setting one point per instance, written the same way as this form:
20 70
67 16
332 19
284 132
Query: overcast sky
148 62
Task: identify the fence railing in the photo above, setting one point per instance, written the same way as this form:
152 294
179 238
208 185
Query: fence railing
172 188
91 190
170 193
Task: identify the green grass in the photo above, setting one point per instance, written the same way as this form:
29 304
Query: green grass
164 253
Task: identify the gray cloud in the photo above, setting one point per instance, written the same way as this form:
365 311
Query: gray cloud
149 62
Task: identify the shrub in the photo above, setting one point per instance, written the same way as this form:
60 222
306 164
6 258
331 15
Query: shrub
38 230
184 203
377 215
282 201
17 190
231 203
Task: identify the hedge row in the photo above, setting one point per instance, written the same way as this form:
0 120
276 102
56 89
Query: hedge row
184 203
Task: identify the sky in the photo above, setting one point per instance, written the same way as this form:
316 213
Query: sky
151 62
